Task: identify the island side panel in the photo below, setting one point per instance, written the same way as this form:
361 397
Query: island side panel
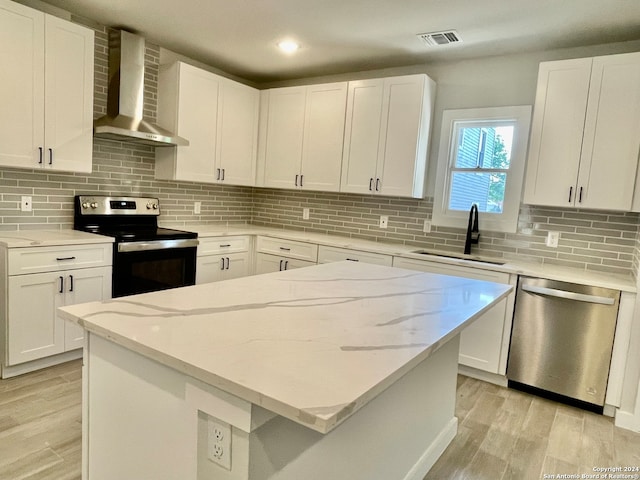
398 435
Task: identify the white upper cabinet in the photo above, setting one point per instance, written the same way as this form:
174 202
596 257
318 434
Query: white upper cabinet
387 136
585 133
219 117
47 100
302 137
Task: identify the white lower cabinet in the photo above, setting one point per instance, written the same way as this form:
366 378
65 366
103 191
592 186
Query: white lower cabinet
34 329
338 254
223 258
266 263
484 345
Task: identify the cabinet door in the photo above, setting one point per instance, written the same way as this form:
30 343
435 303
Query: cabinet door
81 286
21 91
284 137
323 137
68 96
556 132
213 268
611 134
238 133
362 135
188 105
266 263
403 142
34 330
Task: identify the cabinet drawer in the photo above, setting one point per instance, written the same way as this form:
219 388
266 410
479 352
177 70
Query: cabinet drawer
47 259
337 254
288 248
218 245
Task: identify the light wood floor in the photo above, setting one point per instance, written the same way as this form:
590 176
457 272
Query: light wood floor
502 434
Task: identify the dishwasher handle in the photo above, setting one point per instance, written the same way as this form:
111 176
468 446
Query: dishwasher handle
579 297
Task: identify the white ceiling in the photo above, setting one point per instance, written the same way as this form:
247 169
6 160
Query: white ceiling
338 36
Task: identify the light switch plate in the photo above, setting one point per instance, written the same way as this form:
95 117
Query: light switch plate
25 204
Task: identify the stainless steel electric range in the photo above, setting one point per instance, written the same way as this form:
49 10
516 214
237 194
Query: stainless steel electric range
145 257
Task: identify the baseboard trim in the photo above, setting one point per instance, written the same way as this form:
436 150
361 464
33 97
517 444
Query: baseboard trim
494 378
22 368
628 421
435 450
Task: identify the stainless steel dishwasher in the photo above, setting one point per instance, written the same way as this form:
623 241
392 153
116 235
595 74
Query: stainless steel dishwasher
562 339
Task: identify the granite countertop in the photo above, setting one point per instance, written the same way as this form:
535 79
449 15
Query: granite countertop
553 272
313 345
46 238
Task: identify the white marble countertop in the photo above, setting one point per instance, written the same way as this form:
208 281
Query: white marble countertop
44 238
313 345
553 272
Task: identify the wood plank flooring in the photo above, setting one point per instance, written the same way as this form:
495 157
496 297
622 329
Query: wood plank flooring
502 434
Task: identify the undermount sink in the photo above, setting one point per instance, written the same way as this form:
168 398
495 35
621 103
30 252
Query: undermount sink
459 257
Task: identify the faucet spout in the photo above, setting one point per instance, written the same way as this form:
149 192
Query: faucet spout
473 234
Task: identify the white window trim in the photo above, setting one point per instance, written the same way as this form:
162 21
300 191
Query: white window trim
507 221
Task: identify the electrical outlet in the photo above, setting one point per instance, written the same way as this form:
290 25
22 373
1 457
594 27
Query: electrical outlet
305 214
552 239
426 228
384 221
197 207
219 442
25 204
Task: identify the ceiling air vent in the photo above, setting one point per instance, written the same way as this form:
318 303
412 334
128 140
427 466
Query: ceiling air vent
436 39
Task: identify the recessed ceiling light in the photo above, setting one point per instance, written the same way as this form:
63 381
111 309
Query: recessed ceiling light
288 46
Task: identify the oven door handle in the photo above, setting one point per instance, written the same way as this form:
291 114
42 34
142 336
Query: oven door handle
156 245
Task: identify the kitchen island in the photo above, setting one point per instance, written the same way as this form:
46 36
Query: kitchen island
341 371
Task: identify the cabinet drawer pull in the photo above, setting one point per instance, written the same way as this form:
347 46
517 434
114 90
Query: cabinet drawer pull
225 245
40 161
51 156
353 259
570 193
285 249
61 284
60 259
71 283
580 196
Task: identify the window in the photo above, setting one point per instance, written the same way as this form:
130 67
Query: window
481 161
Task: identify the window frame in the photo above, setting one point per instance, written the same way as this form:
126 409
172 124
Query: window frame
452 120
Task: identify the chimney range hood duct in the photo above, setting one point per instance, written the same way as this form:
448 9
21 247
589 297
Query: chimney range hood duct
123 121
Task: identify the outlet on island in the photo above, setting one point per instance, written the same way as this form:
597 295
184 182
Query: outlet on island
219 442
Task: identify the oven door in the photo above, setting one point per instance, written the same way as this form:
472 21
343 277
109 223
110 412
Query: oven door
140 267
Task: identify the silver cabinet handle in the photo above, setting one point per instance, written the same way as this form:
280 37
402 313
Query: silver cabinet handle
61 284
40 150
71 283
579 297
51 156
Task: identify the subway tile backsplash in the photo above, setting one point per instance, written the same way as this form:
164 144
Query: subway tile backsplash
591 240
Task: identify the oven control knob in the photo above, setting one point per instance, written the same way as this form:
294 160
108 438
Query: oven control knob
155 206
85 205
149 206
94 204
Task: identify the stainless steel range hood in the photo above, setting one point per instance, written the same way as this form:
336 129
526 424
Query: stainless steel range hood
123 121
